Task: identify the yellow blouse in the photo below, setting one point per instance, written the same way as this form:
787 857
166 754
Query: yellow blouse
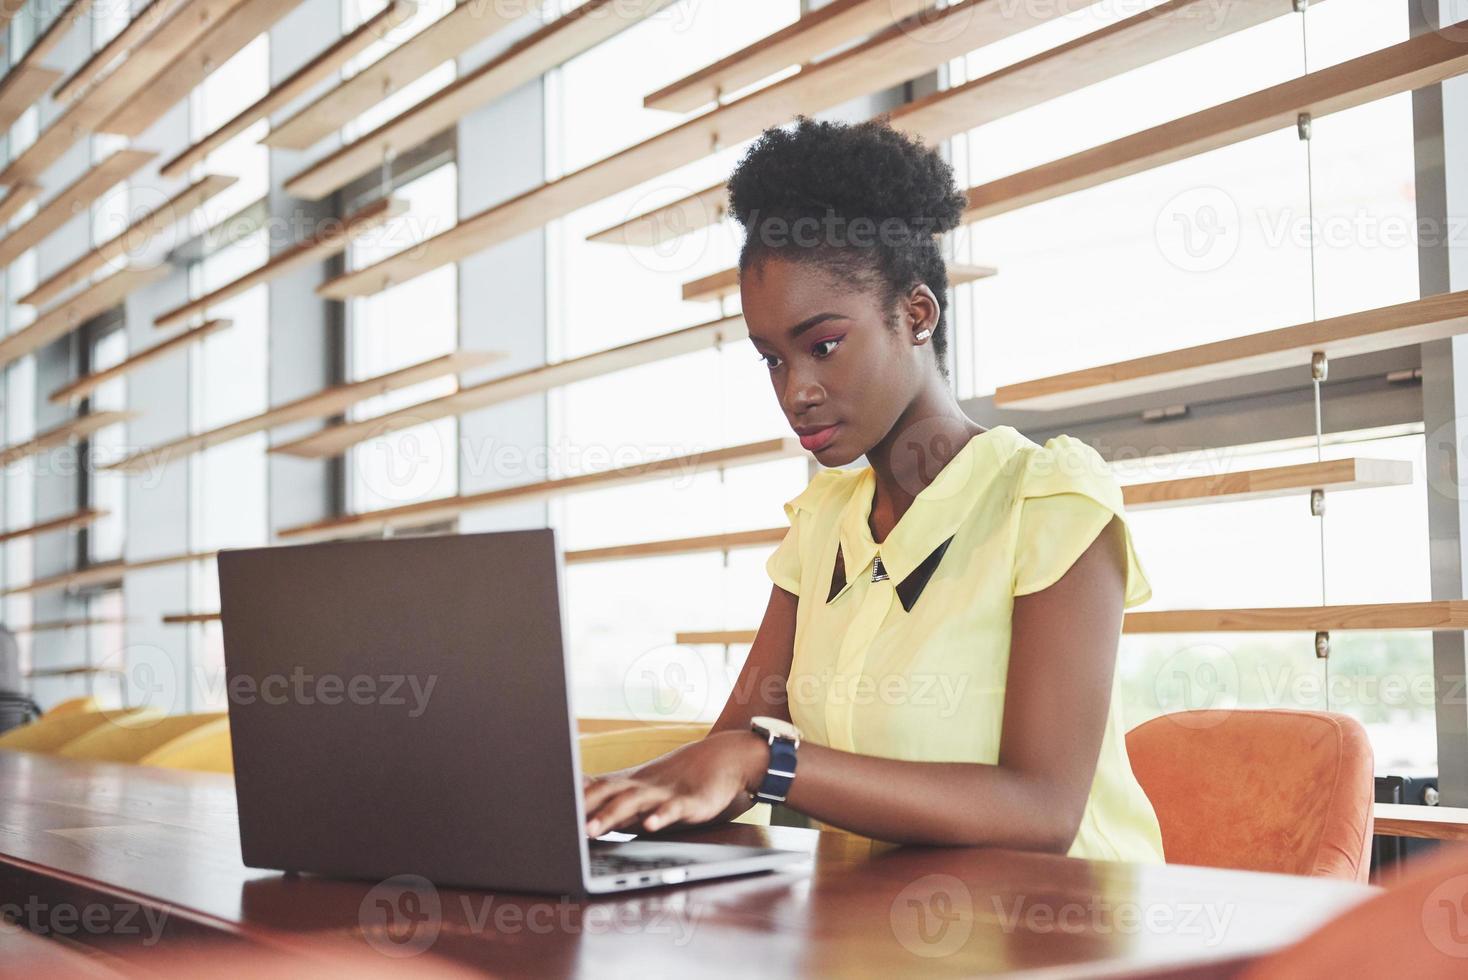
913 666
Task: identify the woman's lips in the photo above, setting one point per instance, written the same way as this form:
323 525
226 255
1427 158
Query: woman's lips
817 441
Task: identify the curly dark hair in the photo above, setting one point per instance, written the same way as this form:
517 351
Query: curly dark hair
873 201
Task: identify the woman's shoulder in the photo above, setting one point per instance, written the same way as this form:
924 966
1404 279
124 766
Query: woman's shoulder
827 489
1064 464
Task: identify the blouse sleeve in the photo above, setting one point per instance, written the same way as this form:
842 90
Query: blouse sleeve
1068 495
784 565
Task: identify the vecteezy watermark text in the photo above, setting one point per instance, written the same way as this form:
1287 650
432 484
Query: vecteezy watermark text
44 918
303 688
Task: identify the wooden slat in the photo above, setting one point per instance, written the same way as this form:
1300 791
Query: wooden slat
892 57
1446 615
70 201
136 235
1429 822
57 30
127 78
143 23
449 36
726 541
1142 39
84 386
725 282
102 574
1450 615
19 196
448 507
55 625
681 217
8 10
330 401
1416 322
1276 481
177 619
589 726
581 29
1332 476
332 237
77 428
337 439
22 87
814 34
71 313
78 671
315 71
80 518
215 47
718 637
1423 60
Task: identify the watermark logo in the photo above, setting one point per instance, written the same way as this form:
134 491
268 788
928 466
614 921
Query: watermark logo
667 239
402 916
403 460
150 680
1200 677
1445 917
1199 229
933 916
667 684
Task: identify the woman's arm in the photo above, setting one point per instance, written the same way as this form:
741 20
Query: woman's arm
1058 694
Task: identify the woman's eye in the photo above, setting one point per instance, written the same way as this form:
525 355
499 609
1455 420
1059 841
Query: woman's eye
818 350
767 358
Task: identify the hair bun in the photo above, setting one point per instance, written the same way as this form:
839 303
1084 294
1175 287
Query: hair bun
862 170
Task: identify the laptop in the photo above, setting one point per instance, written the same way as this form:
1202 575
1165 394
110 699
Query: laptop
400 707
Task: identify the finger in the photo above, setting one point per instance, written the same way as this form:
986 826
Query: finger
624 807
601 791
666 815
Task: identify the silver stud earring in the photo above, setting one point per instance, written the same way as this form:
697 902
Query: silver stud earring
922 335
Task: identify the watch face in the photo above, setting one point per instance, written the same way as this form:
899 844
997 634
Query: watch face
778 727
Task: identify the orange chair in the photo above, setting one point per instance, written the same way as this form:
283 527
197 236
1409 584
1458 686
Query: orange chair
1280 790
1418 928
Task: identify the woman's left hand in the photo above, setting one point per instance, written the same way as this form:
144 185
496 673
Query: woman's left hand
694 783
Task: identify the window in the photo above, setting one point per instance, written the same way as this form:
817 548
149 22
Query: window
1207 248
1269 553
398 327
229 369
621 640
107 490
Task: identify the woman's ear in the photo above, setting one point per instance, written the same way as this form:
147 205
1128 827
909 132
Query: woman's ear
920 313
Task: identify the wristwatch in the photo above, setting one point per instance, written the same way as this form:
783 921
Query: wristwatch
784 739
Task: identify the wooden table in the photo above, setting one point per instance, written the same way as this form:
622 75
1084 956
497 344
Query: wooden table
98 836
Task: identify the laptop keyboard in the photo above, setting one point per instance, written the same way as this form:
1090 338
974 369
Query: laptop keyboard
617 864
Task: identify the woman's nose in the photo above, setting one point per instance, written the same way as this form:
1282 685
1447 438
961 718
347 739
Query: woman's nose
804 394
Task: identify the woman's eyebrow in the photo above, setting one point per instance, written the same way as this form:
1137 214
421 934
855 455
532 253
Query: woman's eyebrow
814 321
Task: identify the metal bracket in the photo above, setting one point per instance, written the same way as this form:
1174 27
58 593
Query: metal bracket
1302 125
1319 366
1317 503
1160 414
1322 645
1301 5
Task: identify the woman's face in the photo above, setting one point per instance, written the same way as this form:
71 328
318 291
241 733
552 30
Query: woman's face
842 374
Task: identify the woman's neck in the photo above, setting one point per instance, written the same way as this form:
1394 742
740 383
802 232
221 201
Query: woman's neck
926 436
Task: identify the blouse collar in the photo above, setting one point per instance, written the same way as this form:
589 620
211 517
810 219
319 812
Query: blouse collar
917 541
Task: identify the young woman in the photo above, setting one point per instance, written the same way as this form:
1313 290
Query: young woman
943 625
